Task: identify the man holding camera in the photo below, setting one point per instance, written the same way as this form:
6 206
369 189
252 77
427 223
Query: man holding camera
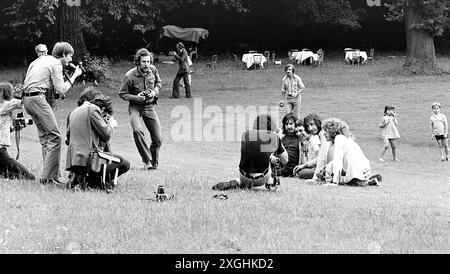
140 87
44 75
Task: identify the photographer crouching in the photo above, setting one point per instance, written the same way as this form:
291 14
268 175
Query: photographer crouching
9 167
89 128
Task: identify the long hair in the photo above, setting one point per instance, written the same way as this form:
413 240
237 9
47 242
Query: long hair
388 107
62 48
288 117
264 122
7 89
333 126
104 103
290 66
88 94
142 52
315 118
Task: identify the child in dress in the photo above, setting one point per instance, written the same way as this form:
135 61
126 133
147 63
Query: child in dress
439 129
389 132
9 167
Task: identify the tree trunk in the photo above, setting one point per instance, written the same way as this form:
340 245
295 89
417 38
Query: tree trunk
420 50
67 28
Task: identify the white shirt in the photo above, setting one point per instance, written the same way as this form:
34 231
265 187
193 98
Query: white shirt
6 109
439 123
347 156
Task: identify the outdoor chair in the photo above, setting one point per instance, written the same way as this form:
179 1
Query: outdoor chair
356 57
292 53
370 57
212 63
238 62
267 55
193 51
320 54
275 61
257 61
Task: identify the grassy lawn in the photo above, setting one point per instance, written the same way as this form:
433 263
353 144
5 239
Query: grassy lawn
408 213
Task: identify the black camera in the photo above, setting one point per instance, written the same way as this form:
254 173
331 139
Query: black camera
19 122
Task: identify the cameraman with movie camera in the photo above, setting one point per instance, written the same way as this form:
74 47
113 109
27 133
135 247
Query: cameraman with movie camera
89 128
9 167
44 79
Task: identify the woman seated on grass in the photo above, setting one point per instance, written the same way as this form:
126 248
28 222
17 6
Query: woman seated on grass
259 146
312 125
341 160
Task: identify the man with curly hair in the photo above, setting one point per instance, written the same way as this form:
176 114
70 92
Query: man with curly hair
341 160
140 87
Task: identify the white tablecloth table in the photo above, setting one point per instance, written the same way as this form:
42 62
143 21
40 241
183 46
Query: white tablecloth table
359 53
248 59
303 55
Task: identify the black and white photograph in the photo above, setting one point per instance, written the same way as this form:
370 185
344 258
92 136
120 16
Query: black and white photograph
222 129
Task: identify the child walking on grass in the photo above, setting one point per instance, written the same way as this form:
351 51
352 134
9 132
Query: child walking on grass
439 129
389 132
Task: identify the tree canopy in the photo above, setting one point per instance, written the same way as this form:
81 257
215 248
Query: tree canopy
118 27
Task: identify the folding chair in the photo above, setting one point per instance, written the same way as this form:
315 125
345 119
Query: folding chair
257 61
212 64
356 56
320 54
370 57
238 62
267 55
193 51
108 159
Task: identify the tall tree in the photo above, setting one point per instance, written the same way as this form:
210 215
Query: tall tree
67 27
424 20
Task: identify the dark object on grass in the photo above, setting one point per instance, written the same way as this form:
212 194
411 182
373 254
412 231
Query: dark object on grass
220 196
232 184
161 196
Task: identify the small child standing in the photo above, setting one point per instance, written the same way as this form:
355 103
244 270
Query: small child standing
439 129
389 132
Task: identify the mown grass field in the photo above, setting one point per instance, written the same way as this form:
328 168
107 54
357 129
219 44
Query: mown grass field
408 213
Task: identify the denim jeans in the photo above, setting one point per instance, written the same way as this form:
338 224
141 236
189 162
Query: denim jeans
293 105
146 115
248 183
49 134
176 86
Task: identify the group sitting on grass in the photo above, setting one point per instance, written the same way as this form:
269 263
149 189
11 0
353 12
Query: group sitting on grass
322 152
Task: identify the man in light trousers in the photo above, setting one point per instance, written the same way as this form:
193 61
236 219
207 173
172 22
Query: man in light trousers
45 74
140 87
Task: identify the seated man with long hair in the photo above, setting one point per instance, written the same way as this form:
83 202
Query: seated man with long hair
341 160
259 146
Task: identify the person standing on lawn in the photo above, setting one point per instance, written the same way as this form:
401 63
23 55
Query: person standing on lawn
140 87
44 75
181 56
291 91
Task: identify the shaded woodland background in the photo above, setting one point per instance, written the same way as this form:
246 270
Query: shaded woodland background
267 25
